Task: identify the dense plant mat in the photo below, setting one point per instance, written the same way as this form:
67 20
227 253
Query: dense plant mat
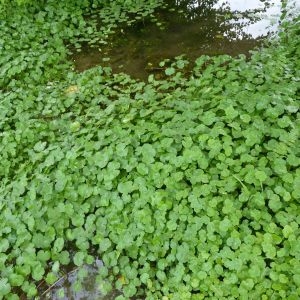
187 188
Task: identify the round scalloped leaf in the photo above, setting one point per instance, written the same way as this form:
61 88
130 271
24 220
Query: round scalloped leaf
170 71
38 272
51 278
79 258
4 245
5 287
58 245
16 279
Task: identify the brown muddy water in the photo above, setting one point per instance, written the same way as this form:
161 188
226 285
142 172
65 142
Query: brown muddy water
187 27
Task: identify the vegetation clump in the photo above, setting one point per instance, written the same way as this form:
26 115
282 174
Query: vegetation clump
188 188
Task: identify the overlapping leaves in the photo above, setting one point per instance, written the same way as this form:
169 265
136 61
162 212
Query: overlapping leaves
189 192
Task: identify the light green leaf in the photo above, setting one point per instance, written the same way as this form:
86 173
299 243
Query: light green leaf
79 258
39 146
38 272
58 245
4 286
4 245
61 180
16 279
260 175
170 71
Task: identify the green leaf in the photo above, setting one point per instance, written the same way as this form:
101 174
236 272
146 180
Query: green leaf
79 258
280 166
51 278
55 267
296 279
61 180
181 63
182 253
121 150
104 245
16 279
142 169
231 113
260 175
101 159
201 275
148 153
125 187
287 231
4 245
248 284
269 249
64 258
4 287
61 293
85 190
144 278
275 203
39 146
245 118
43 255
233 242
58 245
170 71
38 272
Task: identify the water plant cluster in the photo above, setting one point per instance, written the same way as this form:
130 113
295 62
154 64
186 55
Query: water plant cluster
186 187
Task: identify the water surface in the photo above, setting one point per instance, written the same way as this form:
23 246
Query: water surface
193 28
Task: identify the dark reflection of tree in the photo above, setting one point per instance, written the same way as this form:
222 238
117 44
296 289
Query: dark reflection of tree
195 6
227 21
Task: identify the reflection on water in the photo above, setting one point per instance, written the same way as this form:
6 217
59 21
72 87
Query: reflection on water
78 284
209 27
267 12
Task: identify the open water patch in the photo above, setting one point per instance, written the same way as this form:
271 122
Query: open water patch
78 283
193 28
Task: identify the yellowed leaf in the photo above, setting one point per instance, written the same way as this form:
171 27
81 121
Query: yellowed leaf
72 89
122 279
